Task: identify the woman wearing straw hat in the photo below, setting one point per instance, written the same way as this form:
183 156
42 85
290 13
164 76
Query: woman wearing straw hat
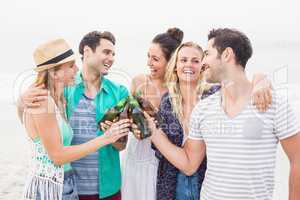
51 176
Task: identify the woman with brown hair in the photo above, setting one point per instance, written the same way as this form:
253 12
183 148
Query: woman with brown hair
140 167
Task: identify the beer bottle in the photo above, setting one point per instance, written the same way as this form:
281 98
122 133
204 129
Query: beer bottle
150 109
138 118
124 115
113 113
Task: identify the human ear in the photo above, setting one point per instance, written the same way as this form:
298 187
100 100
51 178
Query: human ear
86 50
227 54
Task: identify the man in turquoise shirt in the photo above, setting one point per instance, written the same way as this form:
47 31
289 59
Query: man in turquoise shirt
87 102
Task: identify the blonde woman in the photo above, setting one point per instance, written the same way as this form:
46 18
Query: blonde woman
183 78
51 176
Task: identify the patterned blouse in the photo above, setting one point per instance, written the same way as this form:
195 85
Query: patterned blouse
167 173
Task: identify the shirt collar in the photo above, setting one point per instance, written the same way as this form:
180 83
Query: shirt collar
103 83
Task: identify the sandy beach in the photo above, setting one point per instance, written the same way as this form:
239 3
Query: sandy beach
12 172
13 156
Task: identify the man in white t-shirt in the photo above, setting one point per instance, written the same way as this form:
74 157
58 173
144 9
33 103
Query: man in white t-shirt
239 141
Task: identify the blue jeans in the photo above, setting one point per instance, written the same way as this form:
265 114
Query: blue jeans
187 187
69 188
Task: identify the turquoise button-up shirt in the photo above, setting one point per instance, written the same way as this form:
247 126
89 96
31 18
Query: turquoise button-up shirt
109 161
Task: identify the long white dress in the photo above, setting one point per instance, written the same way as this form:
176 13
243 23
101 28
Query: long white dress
140 166
139 171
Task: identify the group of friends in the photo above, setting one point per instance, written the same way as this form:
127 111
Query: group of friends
218 140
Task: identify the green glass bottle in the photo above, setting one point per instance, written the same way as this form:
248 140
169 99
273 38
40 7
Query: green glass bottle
149 108
125 114
113 113
138 118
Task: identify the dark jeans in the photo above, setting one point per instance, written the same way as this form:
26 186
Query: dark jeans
187 187
116 196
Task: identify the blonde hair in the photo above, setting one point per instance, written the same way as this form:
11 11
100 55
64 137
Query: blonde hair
43 78
172 81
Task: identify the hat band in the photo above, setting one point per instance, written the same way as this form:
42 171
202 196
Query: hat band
58 58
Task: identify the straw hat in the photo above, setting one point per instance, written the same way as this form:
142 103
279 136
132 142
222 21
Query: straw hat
51 54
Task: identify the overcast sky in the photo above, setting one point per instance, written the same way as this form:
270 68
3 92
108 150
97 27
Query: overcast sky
272 26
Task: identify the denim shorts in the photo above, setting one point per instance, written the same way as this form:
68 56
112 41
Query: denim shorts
187 187
69 188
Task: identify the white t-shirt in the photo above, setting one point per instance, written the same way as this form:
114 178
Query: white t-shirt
241 151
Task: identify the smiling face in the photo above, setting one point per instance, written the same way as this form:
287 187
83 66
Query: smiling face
188 64
102 58
66 73
213 64
156 61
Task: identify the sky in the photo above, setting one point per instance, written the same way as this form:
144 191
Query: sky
272 26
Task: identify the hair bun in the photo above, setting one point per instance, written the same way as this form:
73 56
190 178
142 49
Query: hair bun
175 33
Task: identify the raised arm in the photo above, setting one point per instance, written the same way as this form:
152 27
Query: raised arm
46 125
186 159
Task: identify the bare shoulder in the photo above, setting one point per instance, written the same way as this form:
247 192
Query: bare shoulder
138 82
140 79
39 117
46 107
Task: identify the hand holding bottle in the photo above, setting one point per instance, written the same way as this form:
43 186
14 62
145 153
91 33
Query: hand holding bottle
117 130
